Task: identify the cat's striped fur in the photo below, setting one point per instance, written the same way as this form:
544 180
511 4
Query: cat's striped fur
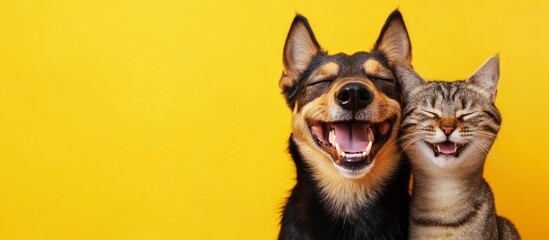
448 129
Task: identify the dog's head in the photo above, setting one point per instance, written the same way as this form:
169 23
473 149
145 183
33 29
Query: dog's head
346 108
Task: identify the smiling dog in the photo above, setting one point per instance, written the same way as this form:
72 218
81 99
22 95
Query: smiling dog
352 181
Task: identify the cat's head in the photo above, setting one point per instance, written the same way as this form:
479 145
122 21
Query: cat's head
449 124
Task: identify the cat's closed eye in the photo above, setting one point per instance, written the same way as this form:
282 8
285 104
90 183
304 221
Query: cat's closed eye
430 113
466 115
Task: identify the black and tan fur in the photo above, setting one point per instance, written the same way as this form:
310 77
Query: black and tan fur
336 197
448 130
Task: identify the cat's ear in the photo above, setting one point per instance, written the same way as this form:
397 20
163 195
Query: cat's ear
407 78
300 49
394 40
487 77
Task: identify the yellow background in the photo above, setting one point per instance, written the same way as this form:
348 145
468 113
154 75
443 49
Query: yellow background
163 119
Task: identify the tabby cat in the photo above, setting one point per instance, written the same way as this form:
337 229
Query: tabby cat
448 129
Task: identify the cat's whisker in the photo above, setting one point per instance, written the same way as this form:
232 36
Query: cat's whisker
411 141
484 133
485 149
417 133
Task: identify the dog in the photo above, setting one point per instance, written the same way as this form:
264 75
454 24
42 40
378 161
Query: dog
352 180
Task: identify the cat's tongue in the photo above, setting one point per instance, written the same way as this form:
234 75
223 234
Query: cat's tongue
354 137
447 147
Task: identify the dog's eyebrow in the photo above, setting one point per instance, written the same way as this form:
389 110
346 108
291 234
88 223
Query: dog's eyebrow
327 70
375 68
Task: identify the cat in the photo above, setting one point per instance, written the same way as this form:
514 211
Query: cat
448 129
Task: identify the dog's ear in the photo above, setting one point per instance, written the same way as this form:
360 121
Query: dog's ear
300 49
394 40
487 77
407 77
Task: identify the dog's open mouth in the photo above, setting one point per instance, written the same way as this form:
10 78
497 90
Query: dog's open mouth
446 148
352 144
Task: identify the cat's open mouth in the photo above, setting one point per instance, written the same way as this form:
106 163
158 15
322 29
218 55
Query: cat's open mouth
446 148
352 144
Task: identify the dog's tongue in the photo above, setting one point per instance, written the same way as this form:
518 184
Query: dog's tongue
353 138
447 147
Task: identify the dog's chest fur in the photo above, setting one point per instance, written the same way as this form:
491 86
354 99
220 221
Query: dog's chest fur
307 214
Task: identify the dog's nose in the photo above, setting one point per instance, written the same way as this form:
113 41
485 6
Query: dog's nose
354 96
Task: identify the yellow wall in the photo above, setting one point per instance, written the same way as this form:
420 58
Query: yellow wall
163 120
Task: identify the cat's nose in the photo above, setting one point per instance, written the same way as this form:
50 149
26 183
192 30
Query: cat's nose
448 129
448 125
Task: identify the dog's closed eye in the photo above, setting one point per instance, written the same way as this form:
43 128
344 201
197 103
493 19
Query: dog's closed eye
327 80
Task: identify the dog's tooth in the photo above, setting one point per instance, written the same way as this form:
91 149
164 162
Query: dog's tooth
370 134
339 151
355 156
367 150
332 137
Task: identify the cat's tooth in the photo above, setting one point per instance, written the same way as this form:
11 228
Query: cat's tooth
339 151
367 150
332 137
455 147
370 134
438 148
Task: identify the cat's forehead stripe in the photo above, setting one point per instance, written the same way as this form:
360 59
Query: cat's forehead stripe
453 93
